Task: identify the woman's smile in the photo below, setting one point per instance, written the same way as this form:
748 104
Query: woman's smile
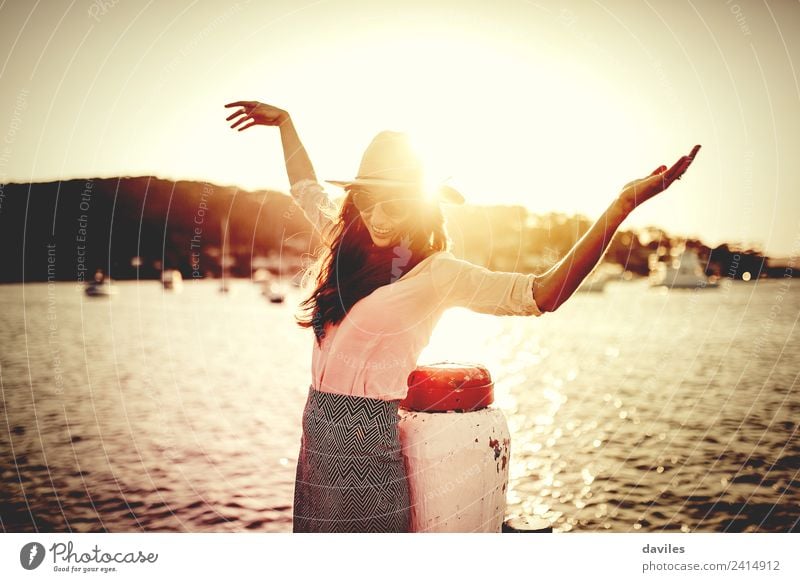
381 232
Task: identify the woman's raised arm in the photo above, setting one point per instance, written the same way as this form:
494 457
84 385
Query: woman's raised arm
557 284
304 188
298 164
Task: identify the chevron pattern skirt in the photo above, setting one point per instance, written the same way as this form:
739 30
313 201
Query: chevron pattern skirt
350 472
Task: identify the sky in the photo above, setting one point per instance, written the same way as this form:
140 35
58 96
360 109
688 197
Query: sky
554 105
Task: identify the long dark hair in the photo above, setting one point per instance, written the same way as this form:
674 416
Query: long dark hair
352 267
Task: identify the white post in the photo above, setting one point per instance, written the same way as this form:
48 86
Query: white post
457 462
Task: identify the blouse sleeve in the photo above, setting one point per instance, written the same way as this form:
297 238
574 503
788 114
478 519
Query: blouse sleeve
318 207
459 283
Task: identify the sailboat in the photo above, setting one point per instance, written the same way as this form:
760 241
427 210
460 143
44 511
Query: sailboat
172 280
100 286
594 283
225 259
683 271
272 291
271 285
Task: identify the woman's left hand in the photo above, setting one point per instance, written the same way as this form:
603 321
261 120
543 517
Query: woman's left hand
638 191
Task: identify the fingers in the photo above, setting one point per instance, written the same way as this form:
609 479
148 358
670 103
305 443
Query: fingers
245 114
247 108
244 106
240 104
680 167
658 170
686 161
677 170
241 120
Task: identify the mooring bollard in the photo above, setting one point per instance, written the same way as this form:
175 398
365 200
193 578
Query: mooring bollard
456 448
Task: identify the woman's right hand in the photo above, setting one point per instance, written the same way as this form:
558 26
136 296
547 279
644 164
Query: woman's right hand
257 113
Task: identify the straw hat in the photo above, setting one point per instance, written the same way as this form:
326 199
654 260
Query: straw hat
390 160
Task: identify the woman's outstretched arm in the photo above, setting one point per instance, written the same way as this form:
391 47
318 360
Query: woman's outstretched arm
557 284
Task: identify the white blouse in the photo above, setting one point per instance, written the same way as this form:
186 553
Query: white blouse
372 351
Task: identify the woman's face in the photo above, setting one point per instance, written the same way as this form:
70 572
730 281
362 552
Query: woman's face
385 211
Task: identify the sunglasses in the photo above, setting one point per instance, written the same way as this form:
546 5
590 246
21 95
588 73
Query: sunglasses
395 207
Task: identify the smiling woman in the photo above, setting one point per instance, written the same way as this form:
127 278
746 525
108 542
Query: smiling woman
390 189
387 225
385 212
383 280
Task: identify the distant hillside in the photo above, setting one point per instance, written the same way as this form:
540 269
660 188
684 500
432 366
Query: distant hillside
103 223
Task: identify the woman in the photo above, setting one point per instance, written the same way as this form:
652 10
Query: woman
382 282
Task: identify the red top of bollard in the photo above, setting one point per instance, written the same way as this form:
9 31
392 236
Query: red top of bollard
447 386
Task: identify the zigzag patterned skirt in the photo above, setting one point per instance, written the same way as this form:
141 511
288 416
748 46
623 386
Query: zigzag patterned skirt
350 472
